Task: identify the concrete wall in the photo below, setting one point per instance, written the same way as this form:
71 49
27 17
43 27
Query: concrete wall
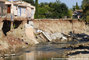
63 26
15 10
2 9
23 12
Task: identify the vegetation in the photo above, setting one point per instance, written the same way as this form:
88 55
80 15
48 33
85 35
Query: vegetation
76 7
84 3
85 7
36 5
53 10
70 12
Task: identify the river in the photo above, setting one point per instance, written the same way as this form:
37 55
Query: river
43 51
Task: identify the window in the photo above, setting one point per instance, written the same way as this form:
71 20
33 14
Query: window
8 9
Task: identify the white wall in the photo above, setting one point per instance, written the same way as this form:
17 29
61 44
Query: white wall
30 12
15 10
23 12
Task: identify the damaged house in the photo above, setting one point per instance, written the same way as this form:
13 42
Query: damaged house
77 14
2 8
17 9
15 13
15 19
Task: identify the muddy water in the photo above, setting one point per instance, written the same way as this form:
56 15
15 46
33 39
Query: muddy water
35 55
41 52
44 51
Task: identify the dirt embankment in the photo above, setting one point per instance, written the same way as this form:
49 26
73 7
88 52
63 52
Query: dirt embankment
62 26
79 29
11 40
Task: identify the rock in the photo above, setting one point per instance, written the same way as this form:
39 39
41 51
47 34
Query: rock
6 55
47 35
29 31
39 31
58 36
64 38
13 54
52 37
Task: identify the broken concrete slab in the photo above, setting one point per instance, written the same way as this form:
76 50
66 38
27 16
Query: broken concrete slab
51 37
58 36
46 35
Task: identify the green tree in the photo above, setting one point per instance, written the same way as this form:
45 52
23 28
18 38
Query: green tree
74 8
60 10
43 10
70 12
53 10
84 3
85 7
36 5
77 7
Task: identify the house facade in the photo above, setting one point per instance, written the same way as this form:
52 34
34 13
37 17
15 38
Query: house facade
77 14
19 9
2 8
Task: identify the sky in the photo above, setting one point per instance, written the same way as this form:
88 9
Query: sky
69 3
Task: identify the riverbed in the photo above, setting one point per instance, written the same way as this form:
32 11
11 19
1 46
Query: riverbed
44 51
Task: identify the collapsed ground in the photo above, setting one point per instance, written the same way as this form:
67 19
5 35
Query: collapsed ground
28 33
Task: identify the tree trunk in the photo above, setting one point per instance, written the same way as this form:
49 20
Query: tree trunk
36 4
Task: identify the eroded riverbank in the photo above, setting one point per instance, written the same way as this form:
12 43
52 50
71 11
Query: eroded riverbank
53 35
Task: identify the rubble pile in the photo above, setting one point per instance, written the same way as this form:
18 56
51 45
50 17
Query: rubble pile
51 37
72 39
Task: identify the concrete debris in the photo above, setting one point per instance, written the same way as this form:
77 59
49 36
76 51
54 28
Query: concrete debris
31 23
52 37
39 31
81 36
58 36
45 34
30 33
